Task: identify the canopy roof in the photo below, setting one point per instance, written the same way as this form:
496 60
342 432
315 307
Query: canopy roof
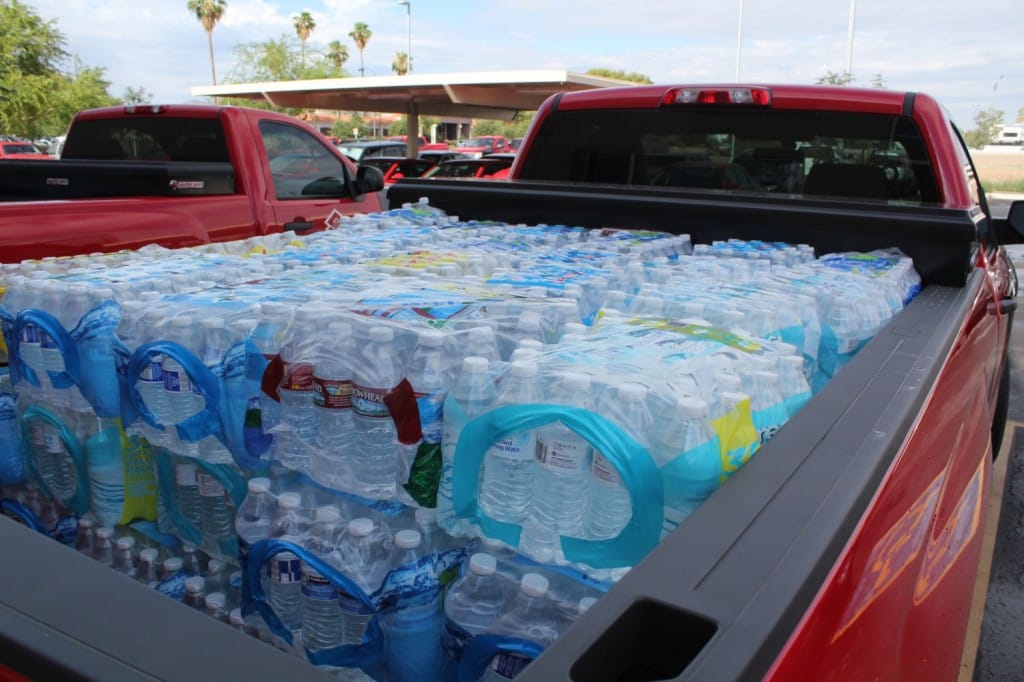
487 94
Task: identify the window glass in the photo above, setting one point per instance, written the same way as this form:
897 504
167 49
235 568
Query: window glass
148 138
297 159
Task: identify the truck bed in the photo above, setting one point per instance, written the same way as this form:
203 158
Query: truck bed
73 179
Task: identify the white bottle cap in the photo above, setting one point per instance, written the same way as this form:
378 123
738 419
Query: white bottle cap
475 365
482 563
692 407
289 500
173 564
127 542
216 600
104 532
327 514
534 585
407 539
188 549
149 554
480 334
360 527
431 338
525 354
381 334
85 523
195 584
259 485
236 617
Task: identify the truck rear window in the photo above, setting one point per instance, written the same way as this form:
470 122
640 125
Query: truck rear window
795 153
148 138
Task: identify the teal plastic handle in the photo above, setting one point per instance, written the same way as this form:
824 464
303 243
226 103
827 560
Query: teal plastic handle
636 468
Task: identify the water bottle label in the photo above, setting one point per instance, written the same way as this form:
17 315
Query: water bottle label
334 394
315 586
152 372
352 605
516 447
562 453
299 377
177 380
507 665
604 471
30 334
185 474
285 568
173 586
209 486
369 402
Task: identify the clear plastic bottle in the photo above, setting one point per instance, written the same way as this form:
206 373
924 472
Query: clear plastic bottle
362 558
296 433
793 384
254 516
191 562
688 454
412 627
150 384
471 606
180 398
332 407
532 618
431 378
482 342
321 613
608 504
217 516
148 571
564 461
506 484
63 476
124 556
375 455
186 488
285 568
265 342
85 535
215 605
103 546
195 592
767 406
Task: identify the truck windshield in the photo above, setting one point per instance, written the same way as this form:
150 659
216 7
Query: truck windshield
795 153
148 138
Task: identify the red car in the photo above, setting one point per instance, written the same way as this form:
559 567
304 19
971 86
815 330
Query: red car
20 150
481 145
486 167
396 168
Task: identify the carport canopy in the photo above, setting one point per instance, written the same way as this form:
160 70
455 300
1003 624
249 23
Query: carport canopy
488 94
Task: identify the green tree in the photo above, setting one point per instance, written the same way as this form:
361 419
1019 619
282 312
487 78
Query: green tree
835 78
621 75
360 35
337 55
987 122
400 64
37 97
304 25
878 81
209 12
136 95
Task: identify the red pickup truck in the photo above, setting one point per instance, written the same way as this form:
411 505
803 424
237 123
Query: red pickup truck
177 175
848 548
482 145
422 143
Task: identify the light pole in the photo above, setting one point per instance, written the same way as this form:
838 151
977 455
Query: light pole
408 25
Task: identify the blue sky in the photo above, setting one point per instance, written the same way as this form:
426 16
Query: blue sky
969 56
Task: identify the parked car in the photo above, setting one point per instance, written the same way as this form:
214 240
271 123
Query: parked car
21 150
357 151
438 156
484 167
422 143
483 145
395 167
515 143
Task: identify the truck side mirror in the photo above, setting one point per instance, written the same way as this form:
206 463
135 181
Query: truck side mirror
368 179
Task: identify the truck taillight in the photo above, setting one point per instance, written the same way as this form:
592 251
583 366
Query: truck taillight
751 96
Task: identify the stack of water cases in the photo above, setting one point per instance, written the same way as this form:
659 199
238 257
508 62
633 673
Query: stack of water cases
322 441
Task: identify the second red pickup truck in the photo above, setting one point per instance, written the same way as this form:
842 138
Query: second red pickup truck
177 175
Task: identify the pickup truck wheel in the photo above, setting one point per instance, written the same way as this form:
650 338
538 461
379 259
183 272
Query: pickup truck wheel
1002 409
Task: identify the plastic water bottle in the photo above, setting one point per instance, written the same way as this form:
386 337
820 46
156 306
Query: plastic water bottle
215 606
768 407
361 553
216 513
471 607
106 469
321 613
608 506
148 571
285 569
532 618
412 627
793 384
103 546
186 487
295 436
84 538
180 398
564 461
332 407
431 378
506 484
124 556
688 453
150 384
253 519
266 339
191 562
375 455
195 592
481 342
12 460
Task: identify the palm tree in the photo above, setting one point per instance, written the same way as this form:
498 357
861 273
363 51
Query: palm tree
360 35
337 54
304 25
209 12
401 63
